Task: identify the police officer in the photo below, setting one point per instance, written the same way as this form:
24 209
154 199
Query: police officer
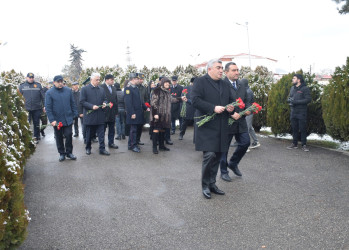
134 110
34 101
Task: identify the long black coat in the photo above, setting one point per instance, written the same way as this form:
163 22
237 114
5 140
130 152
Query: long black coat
90 96
239 126
301 97
176 107
206 94
134 105
110 113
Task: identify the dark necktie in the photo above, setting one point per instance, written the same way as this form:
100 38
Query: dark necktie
234 85
109 89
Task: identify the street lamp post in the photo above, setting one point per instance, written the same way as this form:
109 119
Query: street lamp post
248 41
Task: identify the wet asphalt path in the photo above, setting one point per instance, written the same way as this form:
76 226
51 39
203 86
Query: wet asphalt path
286 199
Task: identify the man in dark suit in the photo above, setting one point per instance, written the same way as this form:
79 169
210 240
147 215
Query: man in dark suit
61 109
176 91
93 101
210 95
134 111
76 94
110 113
239 127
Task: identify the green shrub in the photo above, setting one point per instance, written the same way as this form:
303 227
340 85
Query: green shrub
16 145
335 103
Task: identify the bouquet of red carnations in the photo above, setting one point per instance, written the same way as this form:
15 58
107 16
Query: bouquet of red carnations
184 104
254 108
59 125
206 118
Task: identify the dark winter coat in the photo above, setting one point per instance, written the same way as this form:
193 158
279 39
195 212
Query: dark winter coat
206 94
301 97
121 101
239 126
76 95
161 105
176 107
110 113
60 105
190 110
33 95
89 97
134 105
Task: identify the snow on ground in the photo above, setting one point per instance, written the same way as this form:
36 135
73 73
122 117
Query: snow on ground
342 145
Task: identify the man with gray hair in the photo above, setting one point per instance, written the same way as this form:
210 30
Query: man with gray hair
93 100
210 94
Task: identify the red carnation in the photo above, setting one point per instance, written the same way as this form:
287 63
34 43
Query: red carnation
185 91
111 104
60 124
147 104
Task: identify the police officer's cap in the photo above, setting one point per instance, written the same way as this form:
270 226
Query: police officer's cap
174 78
30 75
133 75
141 75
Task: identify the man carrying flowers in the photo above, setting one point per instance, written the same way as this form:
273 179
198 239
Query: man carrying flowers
239 127
61 110
210 95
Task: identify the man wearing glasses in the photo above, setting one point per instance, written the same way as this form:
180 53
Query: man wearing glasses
34 101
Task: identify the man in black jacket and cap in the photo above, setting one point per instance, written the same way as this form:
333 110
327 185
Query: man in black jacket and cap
210 95
93 101
298 100
110 113
239 127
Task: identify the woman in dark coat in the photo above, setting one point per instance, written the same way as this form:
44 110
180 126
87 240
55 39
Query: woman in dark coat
160 113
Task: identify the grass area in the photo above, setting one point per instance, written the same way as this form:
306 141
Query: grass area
319 143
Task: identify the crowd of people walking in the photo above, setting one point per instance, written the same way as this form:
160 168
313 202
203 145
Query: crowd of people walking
122 112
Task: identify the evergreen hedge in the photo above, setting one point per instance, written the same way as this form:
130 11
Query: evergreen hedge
16 146
335 104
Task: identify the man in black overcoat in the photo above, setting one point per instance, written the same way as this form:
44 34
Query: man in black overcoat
210 95
93 98
110 113
188 119
176 91
134 110
239 127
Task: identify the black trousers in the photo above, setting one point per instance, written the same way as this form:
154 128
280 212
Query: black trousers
111 132
299 126
91 131
76 125
139 131
185 124
67 147
34 115
210 166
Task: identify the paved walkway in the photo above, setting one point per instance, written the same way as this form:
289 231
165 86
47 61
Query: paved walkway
286 199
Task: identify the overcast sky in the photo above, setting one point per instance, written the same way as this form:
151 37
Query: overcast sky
297 33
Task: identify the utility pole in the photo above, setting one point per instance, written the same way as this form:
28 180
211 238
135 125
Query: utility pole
128 55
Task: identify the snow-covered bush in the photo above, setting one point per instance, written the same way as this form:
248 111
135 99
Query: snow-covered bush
16 145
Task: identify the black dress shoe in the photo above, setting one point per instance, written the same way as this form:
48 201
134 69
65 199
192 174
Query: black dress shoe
62 157
235 170
136 150
169 142
140 143
113 146
180 137
76 135
164 148
118 137
123 137
104 152
226 177
88 151
42 133
155 151
71 156
214 189
206 192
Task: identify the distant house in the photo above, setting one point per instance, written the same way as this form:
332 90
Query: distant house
243 59
323 79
